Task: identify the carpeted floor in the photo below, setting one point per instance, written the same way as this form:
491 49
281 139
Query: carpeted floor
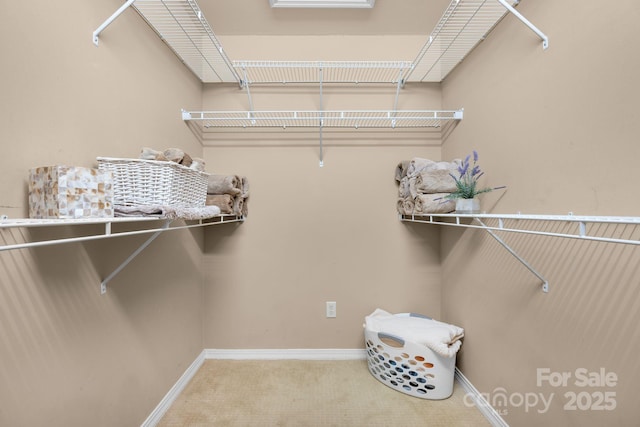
300 393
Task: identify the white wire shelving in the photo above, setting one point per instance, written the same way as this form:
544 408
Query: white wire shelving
184 28
464 24
441 121
589 228
182 25
316 72
328 118
104 233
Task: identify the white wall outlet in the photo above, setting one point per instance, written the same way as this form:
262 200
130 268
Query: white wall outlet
331 309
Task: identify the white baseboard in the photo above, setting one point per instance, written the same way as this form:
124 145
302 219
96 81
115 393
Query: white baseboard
480 402
287 354
166 402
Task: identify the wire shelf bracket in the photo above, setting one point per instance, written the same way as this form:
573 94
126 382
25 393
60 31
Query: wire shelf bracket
103 284
6 223
463 25
525 21
545 282
581 232
105 24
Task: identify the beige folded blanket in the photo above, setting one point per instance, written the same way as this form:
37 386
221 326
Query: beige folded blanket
224 201
224 184
433 203
169 212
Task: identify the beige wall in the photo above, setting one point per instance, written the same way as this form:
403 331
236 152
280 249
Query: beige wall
316 234
69 356
559 128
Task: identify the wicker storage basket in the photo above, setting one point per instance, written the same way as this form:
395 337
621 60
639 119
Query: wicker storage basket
138 182
409 367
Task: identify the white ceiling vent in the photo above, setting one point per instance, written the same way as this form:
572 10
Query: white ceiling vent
354 4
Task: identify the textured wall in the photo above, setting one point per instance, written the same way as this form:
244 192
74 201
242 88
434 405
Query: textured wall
559 128
71 357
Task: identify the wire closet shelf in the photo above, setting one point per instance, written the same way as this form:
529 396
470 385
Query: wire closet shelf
327 118
181 24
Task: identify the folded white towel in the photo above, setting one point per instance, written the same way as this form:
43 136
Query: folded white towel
443 338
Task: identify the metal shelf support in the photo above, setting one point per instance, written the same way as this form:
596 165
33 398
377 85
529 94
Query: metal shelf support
525 21
545 283
6 223
580 234
103 285
108 22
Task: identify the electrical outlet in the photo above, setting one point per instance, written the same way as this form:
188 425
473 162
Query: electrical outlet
331 309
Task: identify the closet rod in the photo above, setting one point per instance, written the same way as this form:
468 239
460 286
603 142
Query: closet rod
112 18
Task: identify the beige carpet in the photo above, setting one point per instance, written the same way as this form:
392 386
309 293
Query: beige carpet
300 393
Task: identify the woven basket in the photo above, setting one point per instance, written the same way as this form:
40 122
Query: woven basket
138 182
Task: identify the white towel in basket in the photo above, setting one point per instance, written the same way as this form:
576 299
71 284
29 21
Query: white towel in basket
443 338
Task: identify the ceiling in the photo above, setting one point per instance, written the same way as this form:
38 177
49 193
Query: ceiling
387 17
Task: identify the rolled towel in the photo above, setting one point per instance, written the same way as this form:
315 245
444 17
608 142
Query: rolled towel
245 206
417 165
403 188
147 153
401 170
224 184
238 202
197 164
174 154
433 203
413 190
178 156
436 180
244 187
223 201
405 206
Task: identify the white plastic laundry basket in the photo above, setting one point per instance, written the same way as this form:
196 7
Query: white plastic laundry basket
409 367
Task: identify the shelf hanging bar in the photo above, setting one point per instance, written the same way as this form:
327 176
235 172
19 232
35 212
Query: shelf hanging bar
103 285
246 84
112 18
321 116
525 21
399 85
545 283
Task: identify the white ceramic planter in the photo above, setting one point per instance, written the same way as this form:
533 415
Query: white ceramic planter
468 206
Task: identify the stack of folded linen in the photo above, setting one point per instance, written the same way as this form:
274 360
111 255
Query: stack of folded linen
424 184
230 193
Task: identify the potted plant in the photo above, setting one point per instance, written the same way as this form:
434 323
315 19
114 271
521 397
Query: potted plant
467 190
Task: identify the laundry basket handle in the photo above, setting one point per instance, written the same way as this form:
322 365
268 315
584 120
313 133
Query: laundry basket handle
396 339
419 315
